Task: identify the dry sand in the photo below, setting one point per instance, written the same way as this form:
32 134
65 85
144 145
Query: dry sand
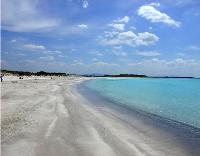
50 118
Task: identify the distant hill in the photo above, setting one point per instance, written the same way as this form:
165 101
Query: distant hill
26 73
175 77
119 75
133 75
126 75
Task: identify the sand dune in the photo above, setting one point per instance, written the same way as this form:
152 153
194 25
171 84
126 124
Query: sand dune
50 117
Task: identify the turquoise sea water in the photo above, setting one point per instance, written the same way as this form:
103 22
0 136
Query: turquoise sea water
176 99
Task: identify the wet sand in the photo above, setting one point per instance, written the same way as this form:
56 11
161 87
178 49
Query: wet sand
51 117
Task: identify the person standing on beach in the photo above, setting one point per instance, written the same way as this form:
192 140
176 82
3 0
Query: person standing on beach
2 77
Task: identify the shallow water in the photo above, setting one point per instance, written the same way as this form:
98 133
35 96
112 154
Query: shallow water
176 99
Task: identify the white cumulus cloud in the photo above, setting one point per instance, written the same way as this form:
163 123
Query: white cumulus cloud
129 38
84 26
148 53
125 19
149 12
101 63
34 47
146 38
85 4
117 26
120 23
47 58
119 36
155 4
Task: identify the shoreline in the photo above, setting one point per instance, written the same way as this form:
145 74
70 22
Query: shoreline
188 134
83 89
52 117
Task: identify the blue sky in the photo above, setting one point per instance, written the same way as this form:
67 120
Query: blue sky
102 36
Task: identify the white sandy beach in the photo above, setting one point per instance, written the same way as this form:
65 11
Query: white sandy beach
49 117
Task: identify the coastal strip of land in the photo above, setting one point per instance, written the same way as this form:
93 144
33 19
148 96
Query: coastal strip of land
50 117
